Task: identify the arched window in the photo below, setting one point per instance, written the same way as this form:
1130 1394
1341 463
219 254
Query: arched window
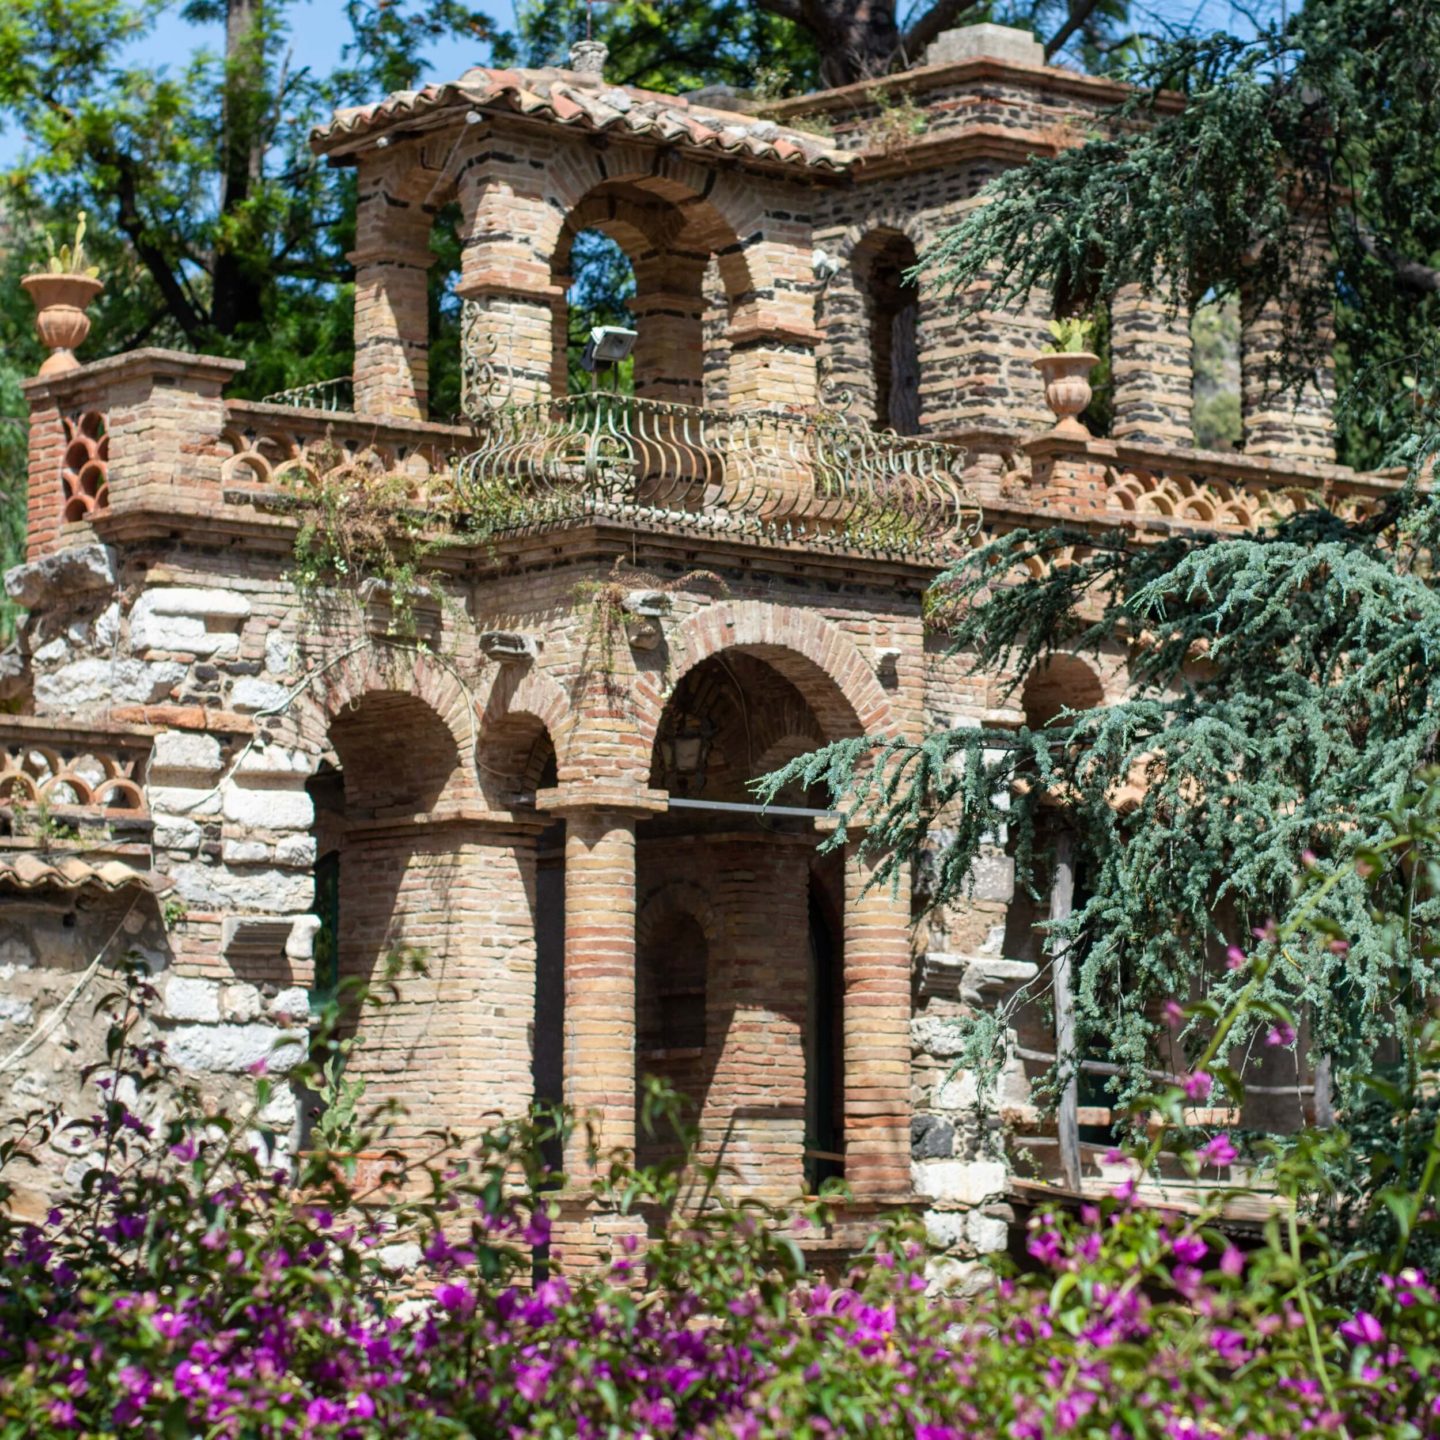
893 304
602 285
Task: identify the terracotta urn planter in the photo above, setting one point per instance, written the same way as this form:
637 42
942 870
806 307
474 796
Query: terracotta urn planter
60 318
1067 387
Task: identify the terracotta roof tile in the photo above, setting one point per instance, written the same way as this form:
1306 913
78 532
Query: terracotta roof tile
559 96
25 871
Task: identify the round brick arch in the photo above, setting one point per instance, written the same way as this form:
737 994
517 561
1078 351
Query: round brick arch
812 653
402 681
523 705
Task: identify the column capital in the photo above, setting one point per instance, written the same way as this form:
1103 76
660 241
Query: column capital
602 797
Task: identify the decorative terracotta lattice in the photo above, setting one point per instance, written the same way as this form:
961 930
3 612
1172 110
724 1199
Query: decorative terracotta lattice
78 775
1206 500
85 472
261 457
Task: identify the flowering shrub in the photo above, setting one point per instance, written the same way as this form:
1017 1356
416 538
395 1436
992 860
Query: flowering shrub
187 1288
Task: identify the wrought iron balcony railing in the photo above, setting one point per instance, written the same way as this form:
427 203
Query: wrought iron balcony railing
337 395
767 474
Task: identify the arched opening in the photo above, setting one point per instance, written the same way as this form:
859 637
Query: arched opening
516 757
892 312
668 240
1060 683
602 287
758 996
391 895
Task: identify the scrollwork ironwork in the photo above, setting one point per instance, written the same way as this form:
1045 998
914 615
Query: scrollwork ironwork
773 475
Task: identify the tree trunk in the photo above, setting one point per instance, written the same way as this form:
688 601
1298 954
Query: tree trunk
237 283
858 38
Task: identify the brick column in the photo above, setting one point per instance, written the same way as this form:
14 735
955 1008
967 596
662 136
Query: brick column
1282 426
600 978
392 332
877 1035
1288 426
392 262
1151 368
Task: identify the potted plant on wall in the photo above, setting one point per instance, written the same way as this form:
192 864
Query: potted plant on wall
1065 366
61 293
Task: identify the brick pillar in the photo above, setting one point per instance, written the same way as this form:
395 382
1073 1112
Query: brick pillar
1151 369
392 332
600 978
877 1035
1283 426
452 1046
669 354
977 367
754 1115
45 497
392 262
1288 426
119 432
509 232
772 366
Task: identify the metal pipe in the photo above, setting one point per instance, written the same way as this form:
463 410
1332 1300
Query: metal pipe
736 807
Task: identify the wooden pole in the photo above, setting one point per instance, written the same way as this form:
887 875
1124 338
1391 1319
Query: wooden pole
1062 903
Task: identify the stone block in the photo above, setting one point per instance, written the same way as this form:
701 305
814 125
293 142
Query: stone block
993 878
965 1182
937 1035
61 576
931 1138
274 760
985 42
183 800
189 998
250 694
51 652
196 621
945 1229
86 683
987 1234
186 752
230 1049
192 602
301 944
280 653
208 887
240 1003
15 1011
245 852
296 850
267 809
293 1001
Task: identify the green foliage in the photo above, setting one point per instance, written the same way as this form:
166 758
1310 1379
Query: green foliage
360 522
1317 129
671 48
69 259
1072 335
211 223
1282 692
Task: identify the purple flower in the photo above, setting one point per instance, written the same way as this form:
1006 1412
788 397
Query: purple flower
1198 1086
1364 1329
1281 1034
1219 1151
456 1297
1189 1249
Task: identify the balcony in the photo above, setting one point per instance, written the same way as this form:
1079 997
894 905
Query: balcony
772 476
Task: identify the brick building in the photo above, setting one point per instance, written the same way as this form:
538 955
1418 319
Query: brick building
539 779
